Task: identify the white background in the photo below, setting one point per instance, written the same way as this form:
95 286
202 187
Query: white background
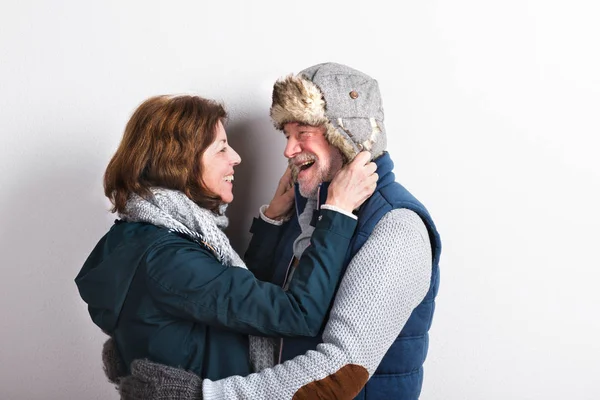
492 120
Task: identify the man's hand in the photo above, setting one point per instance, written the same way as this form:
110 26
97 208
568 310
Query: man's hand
282 203
152 381
354 183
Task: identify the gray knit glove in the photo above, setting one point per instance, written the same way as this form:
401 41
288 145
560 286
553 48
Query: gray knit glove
152 381
111 361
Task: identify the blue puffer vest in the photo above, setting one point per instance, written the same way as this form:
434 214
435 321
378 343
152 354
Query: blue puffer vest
400 373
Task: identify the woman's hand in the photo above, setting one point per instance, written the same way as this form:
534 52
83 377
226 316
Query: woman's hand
282 203
354 183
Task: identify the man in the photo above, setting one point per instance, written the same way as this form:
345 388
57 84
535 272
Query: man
376 338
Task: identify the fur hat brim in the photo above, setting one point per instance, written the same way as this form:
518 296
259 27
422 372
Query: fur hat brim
297 99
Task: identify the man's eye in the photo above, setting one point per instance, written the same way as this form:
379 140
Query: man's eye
223 150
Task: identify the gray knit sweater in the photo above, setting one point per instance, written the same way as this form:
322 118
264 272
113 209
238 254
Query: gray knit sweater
383 283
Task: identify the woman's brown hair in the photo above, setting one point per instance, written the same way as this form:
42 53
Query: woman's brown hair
162 146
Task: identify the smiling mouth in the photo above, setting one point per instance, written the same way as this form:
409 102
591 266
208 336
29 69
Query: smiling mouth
306 165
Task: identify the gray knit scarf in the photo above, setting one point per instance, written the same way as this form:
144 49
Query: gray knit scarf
175 211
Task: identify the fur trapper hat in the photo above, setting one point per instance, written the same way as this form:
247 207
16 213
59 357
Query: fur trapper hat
346 101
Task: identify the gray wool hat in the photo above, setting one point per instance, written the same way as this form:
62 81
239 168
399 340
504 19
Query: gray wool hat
346 101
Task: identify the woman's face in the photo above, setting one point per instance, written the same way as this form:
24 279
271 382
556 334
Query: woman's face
217 166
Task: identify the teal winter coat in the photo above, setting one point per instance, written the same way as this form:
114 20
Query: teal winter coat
165 297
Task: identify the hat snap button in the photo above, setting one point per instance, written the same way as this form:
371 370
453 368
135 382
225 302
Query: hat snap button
354 94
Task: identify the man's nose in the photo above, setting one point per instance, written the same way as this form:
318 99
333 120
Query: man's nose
292 148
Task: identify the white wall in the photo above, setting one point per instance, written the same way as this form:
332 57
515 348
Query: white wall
492 117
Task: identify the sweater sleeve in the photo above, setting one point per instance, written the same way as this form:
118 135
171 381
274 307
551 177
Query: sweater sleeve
383 283
186 281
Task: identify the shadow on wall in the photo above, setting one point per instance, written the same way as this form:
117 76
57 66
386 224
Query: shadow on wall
261 148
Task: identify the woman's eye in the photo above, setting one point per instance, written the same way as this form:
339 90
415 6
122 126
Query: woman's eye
223 150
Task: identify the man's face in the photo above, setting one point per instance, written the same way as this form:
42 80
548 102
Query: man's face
312 158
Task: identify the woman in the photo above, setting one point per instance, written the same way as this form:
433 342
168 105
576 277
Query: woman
165 282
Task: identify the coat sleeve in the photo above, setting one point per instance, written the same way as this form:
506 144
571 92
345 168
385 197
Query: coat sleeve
261 249
383 283
188 282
